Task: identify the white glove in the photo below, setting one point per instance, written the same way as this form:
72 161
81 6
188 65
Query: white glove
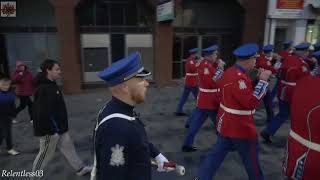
221 63
277 65
160 159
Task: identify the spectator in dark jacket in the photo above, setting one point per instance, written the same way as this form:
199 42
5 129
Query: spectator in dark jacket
23 80
7 113
50 120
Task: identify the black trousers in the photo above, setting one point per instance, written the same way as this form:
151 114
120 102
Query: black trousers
5 132
24 102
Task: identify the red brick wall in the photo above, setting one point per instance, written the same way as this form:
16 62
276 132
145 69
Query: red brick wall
254 20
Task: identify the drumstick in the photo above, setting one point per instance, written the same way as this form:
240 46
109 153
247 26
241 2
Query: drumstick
180 170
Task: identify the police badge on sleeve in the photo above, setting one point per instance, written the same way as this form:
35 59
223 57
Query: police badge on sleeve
117 156
304 69
206 71
242 84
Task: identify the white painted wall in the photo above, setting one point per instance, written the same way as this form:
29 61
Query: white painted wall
294 21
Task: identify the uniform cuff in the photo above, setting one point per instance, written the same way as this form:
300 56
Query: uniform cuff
260 89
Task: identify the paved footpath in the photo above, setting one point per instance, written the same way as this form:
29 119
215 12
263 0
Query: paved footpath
164 129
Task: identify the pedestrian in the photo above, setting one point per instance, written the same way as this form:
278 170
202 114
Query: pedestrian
235 126
122 148
23 80
7 113
51 120
209 71
191 81
292 69
302 160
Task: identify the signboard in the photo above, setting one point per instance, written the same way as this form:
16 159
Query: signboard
288 9
290 4
165 10
8 9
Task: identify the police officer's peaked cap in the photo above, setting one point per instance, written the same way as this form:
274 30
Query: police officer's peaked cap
194 50
211 49
287 43
316 55
317 45
302 46
123 70
268 48
246 51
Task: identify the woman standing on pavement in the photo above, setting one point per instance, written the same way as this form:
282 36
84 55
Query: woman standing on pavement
23 80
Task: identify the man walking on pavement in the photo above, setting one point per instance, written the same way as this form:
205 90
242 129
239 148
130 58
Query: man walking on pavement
292 69
236 129
209 71
191 81
51 120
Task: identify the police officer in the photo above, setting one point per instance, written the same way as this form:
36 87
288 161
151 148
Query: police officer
264 61
191 81
209 71
235 117
302 159
122 148
292 69
287 49
316 47
283 54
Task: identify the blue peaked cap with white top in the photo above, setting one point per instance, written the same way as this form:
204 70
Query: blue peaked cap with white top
123 70
210 50
194 50
302 46
316 55
287 43
268 48
246 51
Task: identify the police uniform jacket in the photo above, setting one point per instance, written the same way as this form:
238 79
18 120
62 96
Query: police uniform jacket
122 148
302 159
292 69
209 93
191 79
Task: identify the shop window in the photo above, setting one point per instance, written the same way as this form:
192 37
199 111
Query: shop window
102 15
85 13
131 11
117 14
112 13
313 33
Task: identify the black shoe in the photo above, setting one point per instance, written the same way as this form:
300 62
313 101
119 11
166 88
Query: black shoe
266 137
189 149
187 126
180 114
